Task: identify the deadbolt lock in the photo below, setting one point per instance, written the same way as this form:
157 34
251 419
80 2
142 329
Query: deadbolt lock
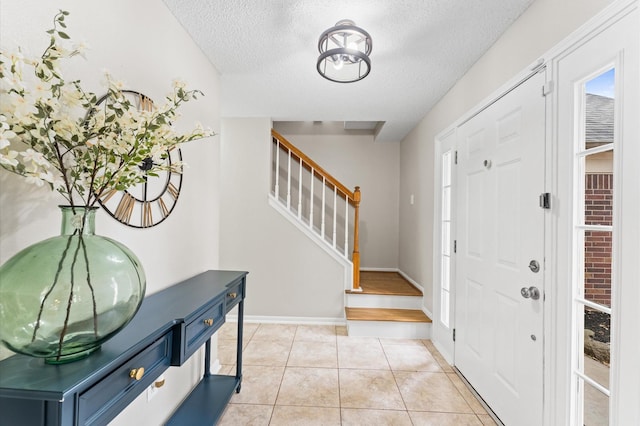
534 266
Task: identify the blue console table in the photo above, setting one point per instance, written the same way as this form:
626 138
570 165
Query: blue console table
169 327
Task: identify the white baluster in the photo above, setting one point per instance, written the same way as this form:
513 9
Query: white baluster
335 214
311 199
300 191
277 174
346 224
289 181
324 188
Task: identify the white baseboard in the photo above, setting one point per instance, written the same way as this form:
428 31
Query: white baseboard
412 281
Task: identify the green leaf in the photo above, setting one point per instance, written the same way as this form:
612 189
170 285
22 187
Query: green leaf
63 35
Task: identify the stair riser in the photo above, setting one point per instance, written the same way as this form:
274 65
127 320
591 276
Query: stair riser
389 329
383 301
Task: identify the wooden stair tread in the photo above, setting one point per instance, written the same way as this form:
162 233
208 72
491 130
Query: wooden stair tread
385 283
386 314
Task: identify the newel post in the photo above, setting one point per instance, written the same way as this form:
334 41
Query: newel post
356 245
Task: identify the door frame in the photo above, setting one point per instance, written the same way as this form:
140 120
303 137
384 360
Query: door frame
443 335
625 372
556 316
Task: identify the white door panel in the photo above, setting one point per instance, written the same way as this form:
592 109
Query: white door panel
499 342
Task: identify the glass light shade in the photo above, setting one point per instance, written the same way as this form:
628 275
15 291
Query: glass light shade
344 53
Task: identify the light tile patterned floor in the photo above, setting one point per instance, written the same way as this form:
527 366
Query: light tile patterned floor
315 375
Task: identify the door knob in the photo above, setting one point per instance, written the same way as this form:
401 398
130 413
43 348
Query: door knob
531 292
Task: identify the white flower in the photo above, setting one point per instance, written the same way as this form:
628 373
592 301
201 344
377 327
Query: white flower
41 89
21 107
81 48
46 176
71 97
179 84
34 179
9 158
35 158
5 135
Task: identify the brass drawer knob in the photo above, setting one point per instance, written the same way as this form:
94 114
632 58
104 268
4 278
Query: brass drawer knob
232 295
209 322
136 373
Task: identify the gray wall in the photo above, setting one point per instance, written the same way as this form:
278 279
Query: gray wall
290 275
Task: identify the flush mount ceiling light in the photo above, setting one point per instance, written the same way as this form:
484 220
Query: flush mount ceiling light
344 53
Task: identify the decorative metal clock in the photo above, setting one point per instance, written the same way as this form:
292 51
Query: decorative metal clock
151 202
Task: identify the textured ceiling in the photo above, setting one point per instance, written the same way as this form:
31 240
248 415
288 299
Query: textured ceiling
266 53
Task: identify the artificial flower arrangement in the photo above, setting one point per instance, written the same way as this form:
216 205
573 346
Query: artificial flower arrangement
52 132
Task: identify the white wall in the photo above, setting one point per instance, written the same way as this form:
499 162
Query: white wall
289 275
542 26
141 43
374 167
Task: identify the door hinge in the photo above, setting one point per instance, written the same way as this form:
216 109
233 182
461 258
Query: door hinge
454 334
547 88
455 246
455 158
545 200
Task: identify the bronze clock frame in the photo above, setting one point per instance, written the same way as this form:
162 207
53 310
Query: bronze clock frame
138 210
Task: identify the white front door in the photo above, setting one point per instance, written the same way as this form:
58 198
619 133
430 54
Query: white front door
500 253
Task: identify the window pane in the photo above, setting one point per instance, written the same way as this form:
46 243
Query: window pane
446 168
596 407
599 109
446 204
444 308
446 273
597 329
598 189
597 266
446 238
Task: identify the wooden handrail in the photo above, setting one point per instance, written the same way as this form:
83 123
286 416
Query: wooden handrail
353 197
305 159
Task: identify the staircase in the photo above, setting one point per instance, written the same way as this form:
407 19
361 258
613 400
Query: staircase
377 304
387 306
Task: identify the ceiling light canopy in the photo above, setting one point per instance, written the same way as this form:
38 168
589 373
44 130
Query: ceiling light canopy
344 53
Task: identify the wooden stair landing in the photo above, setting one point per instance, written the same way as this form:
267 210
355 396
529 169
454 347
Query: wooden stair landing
385 283
386 314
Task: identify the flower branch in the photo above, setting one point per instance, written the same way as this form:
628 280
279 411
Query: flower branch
56 133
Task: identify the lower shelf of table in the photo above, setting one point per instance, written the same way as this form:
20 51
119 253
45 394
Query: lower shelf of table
206 403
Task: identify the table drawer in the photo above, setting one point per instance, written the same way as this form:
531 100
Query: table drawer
199 330
234 294
104 400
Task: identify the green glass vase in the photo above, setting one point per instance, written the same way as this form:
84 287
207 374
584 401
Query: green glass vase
61 298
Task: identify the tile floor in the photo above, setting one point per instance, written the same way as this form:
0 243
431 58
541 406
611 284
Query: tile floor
316 375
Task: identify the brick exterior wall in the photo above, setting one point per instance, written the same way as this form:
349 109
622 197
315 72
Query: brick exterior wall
598 211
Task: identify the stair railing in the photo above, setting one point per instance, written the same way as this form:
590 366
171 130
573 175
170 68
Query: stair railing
295 177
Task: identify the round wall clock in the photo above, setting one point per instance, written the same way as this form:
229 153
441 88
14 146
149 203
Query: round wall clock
151 202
